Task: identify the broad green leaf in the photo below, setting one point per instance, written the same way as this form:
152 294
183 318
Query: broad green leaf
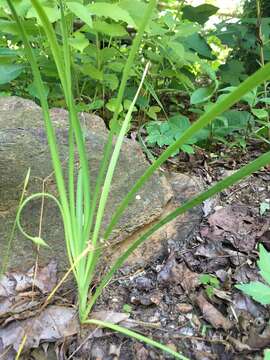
95 105
116 66
111 105
199 14
265 100
10 27
187 149
202 94
197 43
111 81
179 123
264 263
153 56
111 11
127 104
135 8
108 54
78 41
92 71
152 112
178 50
53 13
110 29
233 72
22 6
10 72
7 56
257 290
260 113
81 12
186 29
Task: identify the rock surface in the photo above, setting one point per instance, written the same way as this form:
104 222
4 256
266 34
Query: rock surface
23 144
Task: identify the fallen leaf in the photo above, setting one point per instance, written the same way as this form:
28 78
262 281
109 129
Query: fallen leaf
243 233
54 323
175 273
110 316
259 341
238 345
188 279
16 295
211 314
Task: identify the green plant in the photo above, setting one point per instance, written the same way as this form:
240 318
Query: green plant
211 282
266 354
264 206
256 289
166 132
82 211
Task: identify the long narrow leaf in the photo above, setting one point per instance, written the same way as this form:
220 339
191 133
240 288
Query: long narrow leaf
221 185
92 258
57 55
136 336
126 73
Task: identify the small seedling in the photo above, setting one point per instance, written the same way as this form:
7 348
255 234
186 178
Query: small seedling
127 308
211 282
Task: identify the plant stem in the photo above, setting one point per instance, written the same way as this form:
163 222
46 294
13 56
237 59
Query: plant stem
262 60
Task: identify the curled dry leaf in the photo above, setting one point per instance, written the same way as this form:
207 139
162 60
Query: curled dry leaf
16 290
175 273
242 234
211 314
14 282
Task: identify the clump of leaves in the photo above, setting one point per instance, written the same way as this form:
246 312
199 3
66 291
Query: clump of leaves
164 133
210 282
256 289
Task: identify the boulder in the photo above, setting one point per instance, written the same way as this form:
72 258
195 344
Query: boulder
23 144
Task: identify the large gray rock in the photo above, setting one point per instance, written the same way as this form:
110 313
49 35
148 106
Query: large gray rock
23 144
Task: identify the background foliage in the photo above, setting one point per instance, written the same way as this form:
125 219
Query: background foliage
192 65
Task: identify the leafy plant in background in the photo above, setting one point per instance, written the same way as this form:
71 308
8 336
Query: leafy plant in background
256 289
82 210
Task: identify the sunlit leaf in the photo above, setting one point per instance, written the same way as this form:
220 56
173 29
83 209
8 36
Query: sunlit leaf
81 12
111 11
78 41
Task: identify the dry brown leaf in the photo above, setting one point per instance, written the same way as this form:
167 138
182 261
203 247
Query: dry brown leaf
211 314
54 323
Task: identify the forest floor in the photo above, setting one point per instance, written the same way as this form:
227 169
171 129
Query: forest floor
203 317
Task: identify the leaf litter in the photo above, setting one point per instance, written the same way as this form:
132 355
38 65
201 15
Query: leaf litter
166 301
